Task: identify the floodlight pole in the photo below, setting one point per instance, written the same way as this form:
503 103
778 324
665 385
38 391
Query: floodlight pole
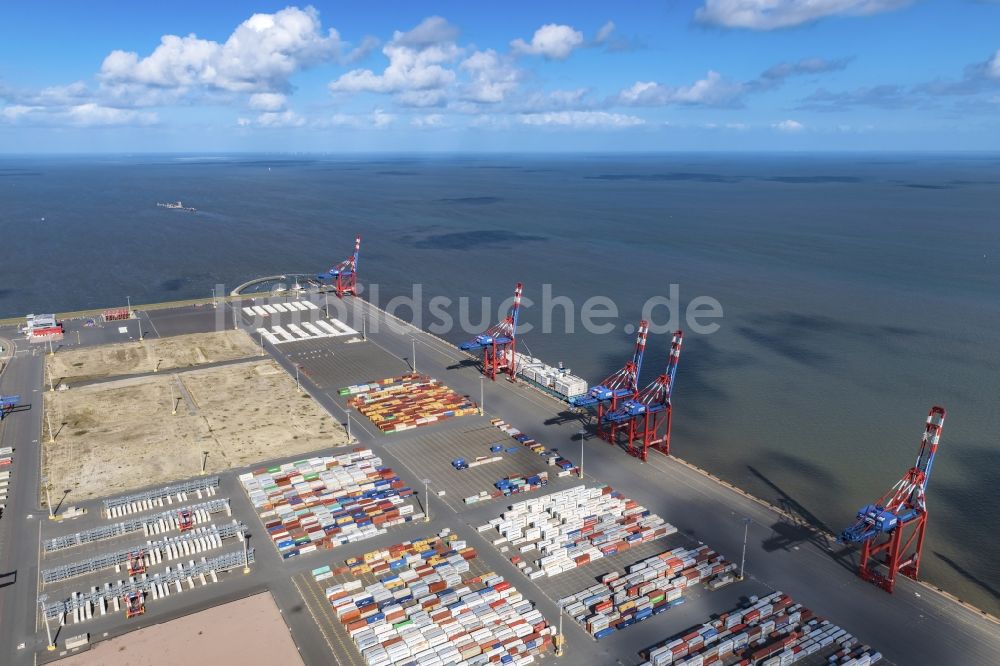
246 556
743 557
45 616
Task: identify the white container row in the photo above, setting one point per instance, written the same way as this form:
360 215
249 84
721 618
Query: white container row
105 604
171 522
570 527
148 505
183 546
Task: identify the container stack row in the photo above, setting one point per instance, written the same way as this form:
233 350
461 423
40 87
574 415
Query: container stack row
426 608
565 465
406 402
521 483
574 527
519 436
649 587
558 381
510 485
328 501
773 631
6 458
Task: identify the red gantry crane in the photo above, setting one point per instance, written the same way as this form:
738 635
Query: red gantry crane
498 342
135 604
136 562
647 418
891 531
621 385
185 520
344 276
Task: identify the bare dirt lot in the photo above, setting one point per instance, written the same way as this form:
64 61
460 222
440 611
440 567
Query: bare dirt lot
130 358
121 435
248 631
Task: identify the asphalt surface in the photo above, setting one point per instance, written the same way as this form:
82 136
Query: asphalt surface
19 527
913 626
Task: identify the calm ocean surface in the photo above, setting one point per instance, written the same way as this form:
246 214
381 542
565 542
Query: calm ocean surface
857 290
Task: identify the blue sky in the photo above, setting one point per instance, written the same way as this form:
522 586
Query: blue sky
515 76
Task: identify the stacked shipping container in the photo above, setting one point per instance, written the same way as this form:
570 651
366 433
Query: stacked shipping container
558 381
427 609
574 527
773 631
328 501
405 402
648 588
6 460
565 465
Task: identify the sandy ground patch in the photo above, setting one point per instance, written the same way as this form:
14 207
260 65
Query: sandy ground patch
130 358
249 631
120 435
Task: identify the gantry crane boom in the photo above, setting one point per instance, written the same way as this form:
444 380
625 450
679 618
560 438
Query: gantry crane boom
647 418
499 342
344 276
620 385
896 523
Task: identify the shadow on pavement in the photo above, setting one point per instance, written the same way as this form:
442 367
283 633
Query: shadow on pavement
464 363
802 526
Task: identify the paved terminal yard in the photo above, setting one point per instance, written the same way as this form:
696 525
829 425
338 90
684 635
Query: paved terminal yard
335 363
915 626
430 456
122 434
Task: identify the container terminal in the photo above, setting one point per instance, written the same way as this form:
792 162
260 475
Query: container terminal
407 501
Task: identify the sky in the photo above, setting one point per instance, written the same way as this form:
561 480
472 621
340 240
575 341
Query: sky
560 76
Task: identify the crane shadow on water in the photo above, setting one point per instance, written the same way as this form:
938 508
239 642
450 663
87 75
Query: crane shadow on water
967 575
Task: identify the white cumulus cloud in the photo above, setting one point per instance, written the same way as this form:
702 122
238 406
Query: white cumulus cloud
552 41
993 67
418 60
382 119
377 119
89 114
259 56
580 119
774 14
431 120
287 118
713 90
789 126
605 32
15 112
491 77
267 101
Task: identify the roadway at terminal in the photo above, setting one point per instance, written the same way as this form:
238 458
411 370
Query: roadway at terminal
913 626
